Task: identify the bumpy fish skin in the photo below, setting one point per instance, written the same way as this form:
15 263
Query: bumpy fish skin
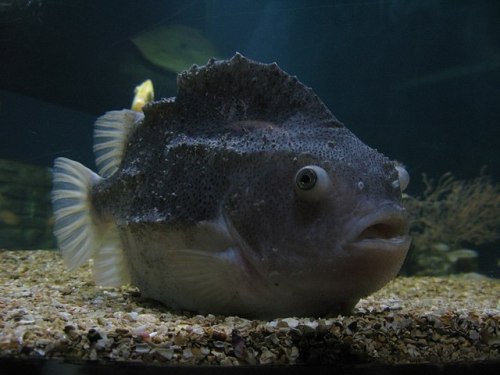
209 213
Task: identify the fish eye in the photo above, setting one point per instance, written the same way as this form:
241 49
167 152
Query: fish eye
306 178
403 177
312 183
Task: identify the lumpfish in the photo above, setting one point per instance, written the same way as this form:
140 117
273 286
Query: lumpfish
242 195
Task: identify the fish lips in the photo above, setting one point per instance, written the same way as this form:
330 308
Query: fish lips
384 229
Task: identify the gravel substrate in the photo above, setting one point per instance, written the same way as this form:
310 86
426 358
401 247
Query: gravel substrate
48 312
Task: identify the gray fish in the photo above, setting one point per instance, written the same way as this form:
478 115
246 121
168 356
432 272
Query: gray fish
241 195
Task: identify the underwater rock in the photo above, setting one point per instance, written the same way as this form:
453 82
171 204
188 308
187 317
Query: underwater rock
439 260
25 210
464 260
455 255
441 247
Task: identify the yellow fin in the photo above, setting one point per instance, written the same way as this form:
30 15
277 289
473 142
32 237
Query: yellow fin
144 93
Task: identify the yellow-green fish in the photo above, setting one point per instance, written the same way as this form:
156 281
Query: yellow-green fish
175 47
144 93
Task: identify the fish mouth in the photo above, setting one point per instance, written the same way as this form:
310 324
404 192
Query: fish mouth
385 229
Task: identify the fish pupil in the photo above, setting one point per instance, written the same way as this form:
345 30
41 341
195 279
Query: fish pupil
306 179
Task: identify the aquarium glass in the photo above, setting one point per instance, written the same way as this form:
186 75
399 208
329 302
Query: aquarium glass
418 80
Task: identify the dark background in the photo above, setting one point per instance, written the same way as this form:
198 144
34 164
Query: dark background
418 80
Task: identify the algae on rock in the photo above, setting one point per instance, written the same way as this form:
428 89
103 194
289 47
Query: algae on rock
451 214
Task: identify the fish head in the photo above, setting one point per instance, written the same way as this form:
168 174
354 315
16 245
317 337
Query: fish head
318 217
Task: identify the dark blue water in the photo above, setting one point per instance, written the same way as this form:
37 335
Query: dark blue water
419 80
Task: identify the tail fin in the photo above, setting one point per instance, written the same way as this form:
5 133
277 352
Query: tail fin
79 232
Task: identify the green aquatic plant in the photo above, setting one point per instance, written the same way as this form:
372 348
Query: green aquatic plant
449 215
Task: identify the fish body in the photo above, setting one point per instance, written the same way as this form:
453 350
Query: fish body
241 195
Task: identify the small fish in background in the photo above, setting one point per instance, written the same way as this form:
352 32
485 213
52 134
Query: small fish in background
144 93
174 47
241 195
